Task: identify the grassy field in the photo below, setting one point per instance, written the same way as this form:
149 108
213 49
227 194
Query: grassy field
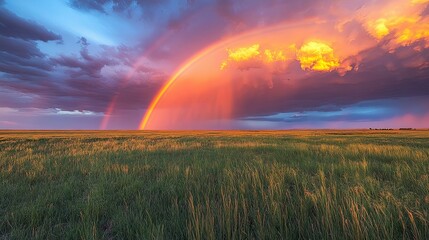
214 185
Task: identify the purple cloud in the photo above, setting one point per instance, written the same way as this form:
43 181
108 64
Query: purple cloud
13 26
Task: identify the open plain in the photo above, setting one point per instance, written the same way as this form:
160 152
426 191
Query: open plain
310 184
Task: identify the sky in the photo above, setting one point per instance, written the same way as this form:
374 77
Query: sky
214 64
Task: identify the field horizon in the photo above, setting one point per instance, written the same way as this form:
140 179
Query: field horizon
214 184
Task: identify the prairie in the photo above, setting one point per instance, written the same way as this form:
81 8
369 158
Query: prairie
309 184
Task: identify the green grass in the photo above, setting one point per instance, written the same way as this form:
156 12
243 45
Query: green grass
214 185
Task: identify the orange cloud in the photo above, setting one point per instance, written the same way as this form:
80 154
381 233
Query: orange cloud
411 31
378 28
243 54
313 55
317 56
419 1
401 22
274 56
252 54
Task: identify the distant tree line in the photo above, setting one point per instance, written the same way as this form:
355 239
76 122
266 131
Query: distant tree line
391 129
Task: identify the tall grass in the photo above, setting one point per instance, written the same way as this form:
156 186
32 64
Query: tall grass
214 185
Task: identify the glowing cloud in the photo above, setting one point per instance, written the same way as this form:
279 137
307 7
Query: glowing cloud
274 56
243 54
247 57
317 56
412 31
419 1
378 28
405 30
401 23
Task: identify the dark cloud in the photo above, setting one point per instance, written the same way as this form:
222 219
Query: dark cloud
26 72
81 93
360 112
31 79
89 5
73 82
19 47
318 117
35 62
21 59
13 26
84 42
82 66
76 82
116 5
254 12
86 64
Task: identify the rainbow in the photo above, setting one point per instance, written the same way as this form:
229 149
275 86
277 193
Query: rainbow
146 118
111 106
170 82
155 45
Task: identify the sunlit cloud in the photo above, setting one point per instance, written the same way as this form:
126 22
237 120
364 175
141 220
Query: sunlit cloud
240 55
274 56
419 1
317 56
313 56
252 57
243 54
399 22
378 28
